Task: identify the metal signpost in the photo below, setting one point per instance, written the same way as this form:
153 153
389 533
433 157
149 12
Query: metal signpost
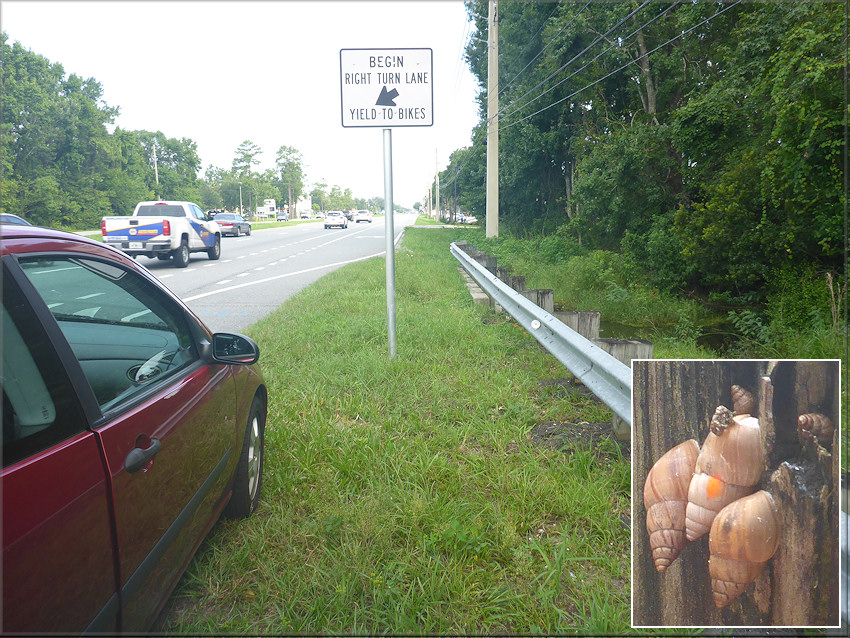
387 88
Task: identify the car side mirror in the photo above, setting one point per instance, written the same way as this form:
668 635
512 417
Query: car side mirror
229 347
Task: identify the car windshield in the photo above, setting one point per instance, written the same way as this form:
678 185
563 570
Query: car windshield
161 210
230 216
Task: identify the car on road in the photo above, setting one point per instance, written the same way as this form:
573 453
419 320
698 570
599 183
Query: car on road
363 216
9 218
336 218
282 217
129 428
165 229
233 224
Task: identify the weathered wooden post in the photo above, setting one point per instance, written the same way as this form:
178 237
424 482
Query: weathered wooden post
674 401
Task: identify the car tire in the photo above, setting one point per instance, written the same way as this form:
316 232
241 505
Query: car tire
215 250
249 231
249 471
181 255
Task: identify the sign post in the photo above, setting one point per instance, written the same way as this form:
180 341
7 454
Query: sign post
386 88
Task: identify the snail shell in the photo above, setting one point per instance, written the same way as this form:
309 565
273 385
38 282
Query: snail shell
728 467
743 537
665 496
817 426
721 419
742 400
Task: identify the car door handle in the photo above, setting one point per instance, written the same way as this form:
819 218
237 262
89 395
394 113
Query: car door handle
138 458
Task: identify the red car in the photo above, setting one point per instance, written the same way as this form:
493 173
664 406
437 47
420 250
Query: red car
128 429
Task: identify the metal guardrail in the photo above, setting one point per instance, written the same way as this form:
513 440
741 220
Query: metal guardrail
605 376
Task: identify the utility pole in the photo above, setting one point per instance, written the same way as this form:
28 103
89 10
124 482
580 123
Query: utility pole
492 222
437 178
155 168
454 216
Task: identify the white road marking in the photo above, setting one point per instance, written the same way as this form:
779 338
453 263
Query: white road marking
283 276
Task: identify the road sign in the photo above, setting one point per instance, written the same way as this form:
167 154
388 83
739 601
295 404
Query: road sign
386 87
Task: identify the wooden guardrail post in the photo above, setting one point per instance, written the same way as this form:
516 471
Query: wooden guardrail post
624 350
543 297
673 402
584 322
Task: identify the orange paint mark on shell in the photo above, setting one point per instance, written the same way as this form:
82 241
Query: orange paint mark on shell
715 487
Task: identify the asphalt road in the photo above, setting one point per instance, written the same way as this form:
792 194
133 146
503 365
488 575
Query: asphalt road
257 273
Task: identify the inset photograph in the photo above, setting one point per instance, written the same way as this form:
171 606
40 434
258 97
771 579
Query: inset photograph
735 493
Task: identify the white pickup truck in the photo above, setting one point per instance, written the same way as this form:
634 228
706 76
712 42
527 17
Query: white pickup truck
164 229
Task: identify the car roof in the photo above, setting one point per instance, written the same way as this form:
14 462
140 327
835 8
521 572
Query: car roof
170 202
11 233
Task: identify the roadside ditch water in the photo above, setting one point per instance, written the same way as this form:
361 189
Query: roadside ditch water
719 336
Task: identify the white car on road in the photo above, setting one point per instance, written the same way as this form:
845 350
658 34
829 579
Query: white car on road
363 216
336 218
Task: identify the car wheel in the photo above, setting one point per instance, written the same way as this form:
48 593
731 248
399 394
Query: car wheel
248 232
215 250
249 471
181 255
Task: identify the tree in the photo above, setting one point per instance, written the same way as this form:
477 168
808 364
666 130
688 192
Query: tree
61 167
245 159
319 196
289 167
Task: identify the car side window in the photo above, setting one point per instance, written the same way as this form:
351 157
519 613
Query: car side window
39 405
127 335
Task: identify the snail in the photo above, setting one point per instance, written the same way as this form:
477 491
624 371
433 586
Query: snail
816 426
743 537
742 400
665 496
728 467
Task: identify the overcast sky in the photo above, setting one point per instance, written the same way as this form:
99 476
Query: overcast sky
221 72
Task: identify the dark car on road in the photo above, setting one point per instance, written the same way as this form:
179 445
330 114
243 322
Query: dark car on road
233 224
128 430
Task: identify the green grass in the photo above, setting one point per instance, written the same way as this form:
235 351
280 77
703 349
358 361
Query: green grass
424 220
407 495
589 280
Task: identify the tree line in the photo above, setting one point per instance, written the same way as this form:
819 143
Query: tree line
702 141
63 167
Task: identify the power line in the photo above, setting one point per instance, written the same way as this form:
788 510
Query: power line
621 68
459 60
476 146
469 157
576 57
685 32
531 40
582 68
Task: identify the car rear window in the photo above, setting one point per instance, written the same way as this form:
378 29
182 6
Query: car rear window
161 210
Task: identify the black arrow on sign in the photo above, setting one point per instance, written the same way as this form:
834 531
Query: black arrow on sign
386 97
